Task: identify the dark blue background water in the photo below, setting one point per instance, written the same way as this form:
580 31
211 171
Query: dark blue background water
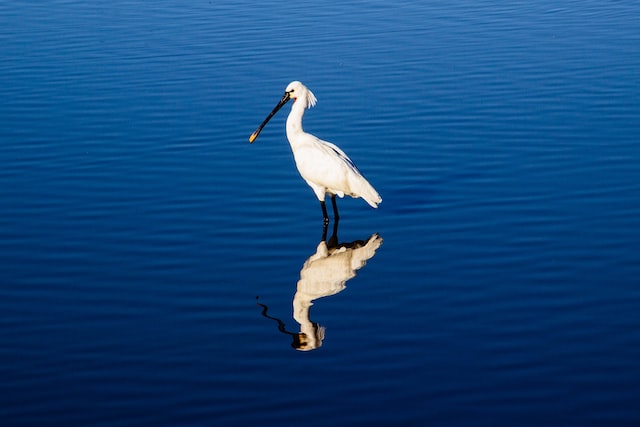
137 224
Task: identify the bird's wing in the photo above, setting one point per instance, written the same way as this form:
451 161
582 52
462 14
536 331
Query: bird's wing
334 149
343 177
325 166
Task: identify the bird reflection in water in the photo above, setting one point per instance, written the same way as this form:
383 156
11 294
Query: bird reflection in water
324 274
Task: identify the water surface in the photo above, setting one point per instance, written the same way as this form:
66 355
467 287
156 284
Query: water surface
138 226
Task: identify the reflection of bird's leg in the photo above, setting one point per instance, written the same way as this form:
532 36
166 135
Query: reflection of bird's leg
324 212
333 240
324 231
336 217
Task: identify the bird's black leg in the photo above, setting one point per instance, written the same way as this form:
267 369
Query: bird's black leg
336 217
324 212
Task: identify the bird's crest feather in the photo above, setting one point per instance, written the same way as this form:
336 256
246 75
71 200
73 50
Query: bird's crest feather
311 99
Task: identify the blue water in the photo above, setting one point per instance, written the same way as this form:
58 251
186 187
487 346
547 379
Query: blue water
157 269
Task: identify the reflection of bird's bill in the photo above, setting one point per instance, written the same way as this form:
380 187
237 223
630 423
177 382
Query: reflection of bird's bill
286 97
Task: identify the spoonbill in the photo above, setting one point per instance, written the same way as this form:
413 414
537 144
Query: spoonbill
324 166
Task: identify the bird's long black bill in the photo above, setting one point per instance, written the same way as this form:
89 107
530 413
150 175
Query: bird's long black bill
283 101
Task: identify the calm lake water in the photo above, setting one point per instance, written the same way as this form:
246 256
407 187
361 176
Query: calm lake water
157 269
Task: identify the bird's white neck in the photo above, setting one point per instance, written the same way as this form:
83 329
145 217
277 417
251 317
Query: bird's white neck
294 120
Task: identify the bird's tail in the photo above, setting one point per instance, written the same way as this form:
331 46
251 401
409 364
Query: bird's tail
369 194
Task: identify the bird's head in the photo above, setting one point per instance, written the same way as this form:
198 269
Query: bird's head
297 90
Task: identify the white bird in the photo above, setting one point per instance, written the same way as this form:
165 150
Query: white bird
324 166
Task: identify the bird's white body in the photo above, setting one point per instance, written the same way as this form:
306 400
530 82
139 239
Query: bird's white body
324 166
